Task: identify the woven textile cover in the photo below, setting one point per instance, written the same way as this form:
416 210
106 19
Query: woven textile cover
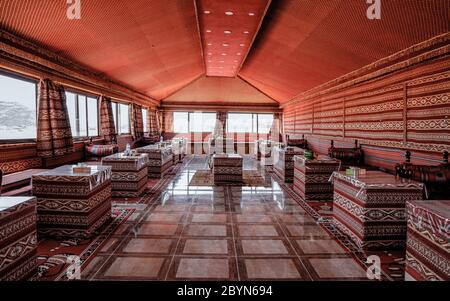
428 247
18 240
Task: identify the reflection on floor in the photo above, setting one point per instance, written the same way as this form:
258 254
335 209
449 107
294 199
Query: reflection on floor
188 232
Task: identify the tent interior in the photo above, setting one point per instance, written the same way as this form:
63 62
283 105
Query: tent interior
224 139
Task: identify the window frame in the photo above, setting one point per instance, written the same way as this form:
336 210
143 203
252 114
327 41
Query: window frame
77 93
189 113
29 79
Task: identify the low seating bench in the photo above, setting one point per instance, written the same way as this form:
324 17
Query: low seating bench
348 156
14 183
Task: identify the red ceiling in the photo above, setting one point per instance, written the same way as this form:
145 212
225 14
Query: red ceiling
303 44
227 28
151 46
155 47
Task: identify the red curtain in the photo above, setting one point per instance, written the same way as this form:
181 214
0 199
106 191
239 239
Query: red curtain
107 120
138 126
54 136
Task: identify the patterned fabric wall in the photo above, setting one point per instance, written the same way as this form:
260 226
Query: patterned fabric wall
107 120
54 136
408 109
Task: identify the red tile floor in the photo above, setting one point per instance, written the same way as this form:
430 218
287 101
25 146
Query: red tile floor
222 233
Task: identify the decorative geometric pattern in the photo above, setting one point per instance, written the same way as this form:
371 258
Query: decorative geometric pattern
371 208
283 159
18 240
428 246
161 159
138 126
312 177
107 125
405 110
129 174
74 206
54 137
227 168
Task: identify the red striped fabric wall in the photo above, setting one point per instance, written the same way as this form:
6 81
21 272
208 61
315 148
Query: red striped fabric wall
405 109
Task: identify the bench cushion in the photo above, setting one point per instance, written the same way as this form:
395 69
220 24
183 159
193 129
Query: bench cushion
101 150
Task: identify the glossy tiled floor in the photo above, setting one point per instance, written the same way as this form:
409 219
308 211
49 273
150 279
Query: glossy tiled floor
221 233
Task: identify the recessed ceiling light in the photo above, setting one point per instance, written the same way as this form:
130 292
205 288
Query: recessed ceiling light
235 61
242 45
208 30
238 53
229 13
224 54
225 44
207 12
227 31
209 44
246 32
209 53
251 14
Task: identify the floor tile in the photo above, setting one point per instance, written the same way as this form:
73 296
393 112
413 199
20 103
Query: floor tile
205 246
135 267
165 217
246 218
263 247
203 268
157 229
148 245
306 230
206 230
337 267
257 230
320 246
271 269
209 218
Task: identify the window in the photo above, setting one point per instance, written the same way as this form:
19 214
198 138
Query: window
184 122
249 123
145 120
265 122
83 114
240 123
17 108
121 113
180 122
202 122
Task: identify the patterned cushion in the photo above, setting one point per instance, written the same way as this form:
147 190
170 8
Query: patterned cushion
302 143
346 154
101 150
424 173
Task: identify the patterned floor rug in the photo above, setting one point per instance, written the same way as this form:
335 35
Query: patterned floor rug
250 178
